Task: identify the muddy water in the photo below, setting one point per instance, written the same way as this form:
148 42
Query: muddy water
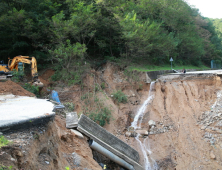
149 163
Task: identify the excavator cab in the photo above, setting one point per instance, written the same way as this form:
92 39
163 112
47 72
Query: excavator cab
20 67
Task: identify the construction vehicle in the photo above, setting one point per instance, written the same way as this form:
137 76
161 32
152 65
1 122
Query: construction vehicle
17 64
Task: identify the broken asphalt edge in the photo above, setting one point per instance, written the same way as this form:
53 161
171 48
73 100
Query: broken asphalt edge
24 124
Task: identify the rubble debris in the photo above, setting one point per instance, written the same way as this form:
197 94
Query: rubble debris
212 156
142 132
71 120
77 133
128 134
152 123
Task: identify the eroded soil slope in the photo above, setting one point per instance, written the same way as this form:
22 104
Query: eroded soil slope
50 147
184 108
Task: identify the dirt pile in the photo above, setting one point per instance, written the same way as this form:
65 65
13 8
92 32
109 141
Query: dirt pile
9 87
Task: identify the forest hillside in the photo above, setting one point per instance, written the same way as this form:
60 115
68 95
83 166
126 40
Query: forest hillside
72 33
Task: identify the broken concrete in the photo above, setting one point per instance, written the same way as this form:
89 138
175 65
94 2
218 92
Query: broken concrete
71 120
78 134
109 141
22 111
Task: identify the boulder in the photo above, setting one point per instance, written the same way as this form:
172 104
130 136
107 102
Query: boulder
142 132
152 123
128 134
212 156
77 133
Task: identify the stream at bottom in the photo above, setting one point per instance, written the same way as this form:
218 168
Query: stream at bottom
149 162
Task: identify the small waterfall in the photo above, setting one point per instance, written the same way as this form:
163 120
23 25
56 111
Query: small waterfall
137 124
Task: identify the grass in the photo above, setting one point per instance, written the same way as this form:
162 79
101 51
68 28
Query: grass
120 97
2 167
146 68
3 141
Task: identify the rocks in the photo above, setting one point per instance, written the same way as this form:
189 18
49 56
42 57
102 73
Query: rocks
128 134
152 123
71 120
134 101
47 162
203 127
1 133
77 159
212 156
142 132
12 159
77 133
131 128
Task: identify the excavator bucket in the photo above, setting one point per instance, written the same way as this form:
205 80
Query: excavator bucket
38 83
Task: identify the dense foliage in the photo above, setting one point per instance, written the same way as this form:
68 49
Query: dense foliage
71 32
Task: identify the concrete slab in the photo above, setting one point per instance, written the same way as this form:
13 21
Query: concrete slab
219 72
71 120
23 111
109 141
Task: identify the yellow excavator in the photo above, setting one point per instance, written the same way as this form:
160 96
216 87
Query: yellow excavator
17 63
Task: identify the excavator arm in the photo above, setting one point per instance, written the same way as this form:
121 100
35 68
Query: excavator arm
14 63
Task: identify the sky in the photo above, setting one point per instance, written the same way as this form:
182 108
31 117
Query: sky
208 8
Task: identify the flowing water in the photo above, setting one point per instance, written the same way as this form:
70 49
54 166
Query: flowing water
149 163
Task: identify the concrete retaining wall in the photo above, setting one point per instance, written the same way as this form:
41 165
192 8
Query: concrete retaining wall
109 141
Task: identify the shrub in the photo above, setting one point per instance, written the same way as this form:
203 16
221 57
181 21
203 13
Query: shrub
69 106
3 141
96 87
2 167
103 86
33 89
17 75
120 97
102 117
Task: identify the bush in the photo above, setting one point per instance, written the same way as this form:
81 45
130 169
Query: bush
17 75
3 141
74 75
102 117
120 97
2 167
103 86
31 88
69 106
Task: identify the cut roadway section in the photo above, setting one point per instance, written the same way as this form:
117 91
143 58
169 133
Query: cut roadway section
22 111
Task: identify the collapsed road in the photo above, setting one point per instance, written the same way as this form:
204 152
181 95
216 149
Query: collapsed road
182 122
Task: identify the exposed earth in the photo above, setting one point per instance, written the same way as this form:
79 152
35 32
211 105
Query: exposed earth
186 110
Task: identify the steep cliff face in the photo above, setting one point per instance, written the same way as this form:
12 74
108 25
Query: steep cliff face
181 109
